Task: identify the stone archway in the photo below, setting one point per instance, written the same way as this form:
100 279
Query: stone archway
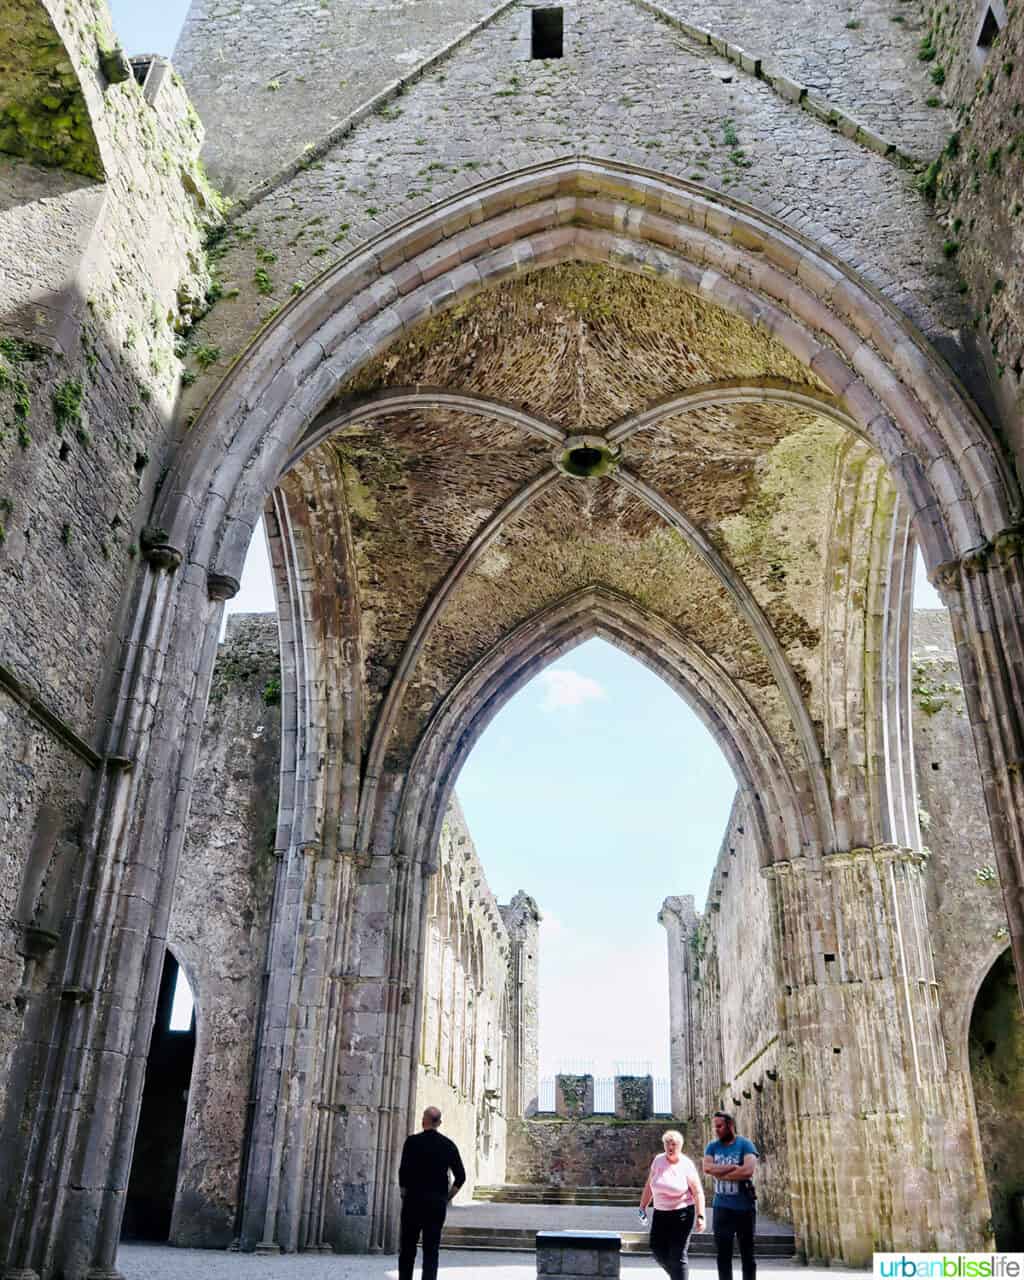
879 375
996 1053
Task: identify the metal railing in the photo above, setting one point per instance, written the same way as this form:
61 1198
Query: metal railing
663 1097
546 1094
604 1096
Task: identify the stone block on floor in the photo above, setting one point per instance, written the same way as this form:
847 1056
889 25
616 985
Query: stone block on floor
574 1255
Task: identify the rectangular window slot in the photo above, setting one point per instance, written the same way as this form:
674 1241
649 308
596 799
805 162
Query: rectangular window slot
935 766
829 957
546 33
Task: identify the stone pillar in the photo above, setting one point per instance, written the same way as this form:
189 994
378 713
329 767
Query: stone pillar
634 1097
984 593
680 919
574 1096
882 1146
522 920
88 1038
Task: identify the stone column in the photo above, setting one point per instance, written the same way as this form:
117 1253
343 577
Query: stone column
522 920
680 919
882 1144
71 1151
984 593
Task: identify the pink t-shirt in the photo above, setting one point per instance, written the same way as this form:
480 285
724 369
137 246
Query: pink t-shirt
670 1182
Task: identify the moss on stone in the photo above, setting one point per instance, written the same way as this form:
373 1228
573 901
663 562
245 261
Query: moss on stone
43 113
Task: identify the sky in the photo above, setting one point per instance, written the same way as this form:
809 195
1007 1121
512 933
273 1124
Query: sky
595 789
148 26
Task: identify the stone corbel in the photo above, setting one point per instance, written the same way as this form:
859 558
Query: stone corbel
221 586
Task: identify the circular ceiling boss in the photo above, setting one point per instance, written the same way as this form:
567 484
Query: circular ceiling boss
586 457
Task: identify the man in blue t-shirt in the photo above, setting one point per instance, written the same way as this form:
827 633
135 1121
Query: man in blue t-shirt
731 1161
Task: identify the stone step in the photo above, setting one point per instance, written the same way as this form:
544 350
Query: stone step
522 1240
526 1194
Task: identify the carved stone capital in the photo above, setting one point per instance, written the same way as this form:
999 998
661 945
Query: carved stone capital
1007 545
874 853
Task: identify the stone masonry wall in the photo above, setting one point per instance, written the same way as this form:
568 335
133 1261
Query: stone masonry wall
220 921
219 931
977 180
284 81
466 1028
589 1152
102 263
739 1009
739 1063
631 87
968 921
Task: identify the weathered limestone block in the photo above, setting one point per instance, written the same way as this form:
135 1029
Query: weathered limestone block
578 1254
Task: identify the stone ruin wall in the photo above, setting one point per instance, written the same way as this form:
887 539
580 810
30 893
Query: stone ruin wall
221 918
594 1151
737 1010
103 267
969 933
976 180
219 934
467 1055
737 1062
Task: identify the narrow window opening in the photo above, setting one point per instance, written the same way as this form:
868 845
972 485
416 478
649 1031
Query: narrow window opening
546 33
182 1006
989 30
829 957
935 766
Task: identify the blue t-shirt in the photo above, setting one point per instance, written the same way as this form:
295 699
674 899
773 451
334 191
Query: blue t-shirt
731 1195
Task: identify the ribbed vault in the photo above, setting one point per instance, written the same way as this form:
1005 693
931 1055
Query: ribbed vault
715 524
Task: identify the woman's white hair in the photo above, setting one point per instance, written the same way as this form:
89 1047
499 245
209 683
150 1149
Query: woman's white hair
672 1133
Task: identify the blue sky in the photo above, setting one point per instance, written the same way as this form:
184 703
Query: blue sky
145 26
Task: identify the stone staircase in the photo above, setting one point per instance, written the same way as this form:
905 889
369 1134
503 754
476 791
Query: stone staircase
524 1193
513 1231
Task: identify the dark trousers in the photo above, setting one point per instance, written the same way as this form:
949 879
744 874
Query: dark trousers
739 1223
670 1239
426 1218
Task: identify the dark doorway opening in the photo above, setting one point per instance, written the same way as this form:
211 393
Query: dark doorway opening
997 1073
154 1176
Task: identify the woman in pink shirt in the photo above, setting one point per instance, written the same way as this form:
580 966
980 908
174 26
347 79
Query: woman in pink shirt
675 1187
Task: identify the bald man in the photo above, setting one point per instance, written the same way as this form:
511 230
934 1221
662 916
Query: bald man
427 1159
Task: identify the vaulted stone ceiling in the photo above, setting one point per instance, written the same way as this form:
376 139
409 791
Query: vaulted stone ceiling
582 348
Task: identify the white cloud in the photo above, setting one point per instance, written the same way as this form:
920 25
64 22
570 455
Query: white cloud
566 688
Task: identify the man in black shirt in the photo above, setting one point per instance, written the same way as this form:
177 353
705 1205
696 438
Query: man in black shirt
423 1178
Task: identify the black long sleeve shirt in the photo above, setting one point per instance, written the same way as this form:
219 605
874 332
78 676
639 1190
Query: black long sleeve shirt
426 1159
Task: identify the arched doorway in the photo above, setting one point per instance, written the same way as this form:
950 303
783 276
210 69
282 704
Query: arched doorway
996 1046
154 1175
